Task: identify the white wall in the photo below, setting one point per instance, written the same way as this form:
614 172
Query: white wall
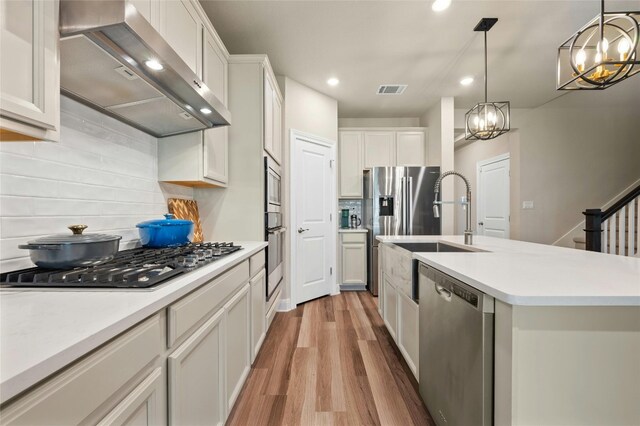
466 160
576 152
440 121
102 173
310 112
379 122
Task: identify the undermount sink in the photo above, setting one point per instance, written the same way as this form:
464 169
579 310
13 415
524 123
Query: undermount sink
434 247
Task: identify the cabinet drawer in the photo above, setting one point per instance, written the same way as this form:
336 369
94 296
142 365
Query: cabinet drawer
74 394
193 308
354 237
256 263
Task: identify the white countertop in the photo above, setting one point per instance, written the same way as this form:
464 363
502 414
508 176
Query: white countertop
43 331
351 230
521 273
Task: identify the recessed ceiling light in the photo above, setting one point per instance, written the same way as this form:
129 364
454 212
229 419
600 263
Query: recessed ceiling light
154 65
205 110
440 5
466 81
333 81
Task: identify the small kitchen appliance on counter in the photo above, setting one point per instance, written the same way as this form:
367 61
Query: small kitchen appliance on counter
344 218
355 221
135 268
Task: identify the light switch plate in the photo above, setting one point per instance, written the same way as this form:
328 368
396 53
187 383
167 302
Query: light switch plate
527 205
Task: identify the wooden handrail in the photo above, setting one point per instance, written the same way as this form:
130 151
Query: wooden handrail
621 203
594 218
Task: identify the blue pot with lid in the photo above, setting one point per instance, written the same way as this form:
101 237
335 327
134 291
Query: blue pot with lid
167 232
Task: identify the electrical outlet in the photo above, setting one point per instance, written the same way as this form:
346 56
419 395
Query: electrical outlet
527 205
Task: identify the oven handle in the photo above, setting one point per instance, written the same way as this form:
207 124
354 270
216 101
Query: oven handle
276 230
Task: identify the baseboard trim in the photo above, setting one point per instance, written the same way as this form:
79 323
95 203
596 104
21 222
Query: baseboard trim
284 305
353 287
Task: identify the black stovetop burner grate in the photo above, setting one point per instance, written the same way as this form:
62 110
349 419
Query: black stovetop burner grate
134 268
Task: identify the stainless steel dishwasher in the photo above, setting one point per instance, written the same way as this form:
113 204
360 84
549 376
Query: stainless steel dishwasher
456 350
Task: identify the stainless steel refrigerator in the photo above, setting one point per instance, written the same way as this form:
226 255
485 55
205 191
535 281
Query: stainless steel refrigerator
397 201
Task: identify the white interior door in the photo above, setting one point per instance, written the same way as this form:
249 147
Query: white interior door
493 198
313 183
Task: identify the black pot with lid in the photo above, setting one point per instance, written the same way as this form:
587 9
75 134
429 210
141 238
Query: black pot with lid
72 250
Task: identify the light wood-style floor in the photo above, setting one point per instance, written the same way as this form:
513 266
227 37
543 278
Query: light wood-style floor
330 361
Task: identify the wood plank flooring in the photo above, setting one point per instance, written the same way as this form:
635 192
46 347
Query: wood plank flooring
330 362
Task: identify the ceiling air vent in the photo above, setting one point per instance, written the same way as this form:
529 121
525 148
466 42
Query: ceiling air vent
391 89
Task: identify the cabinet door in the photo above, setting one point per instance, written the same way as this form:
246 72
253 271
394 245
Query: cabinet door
410 149
350 158
145 405
258 312
196 376
390 306
268 116
215 141
354 258
238 343
379 149
29 70
181 28
277 128
149 9
408 331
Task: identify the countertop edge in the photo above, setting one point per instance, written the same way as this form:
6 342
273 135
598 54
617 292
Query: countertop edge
26 379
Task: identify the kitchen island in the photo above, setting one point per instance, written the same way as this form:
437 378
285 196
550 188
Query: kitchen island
566 327
72 356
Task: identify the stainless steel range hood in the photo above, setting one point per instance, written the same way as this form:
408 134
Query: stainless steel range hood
105 47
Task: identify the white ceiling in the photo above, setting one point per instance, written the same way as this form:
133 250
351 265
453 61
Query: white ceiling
368 43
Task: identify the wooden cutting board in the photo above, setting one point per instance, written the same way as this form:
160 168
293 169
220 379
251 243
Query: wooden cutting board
187 210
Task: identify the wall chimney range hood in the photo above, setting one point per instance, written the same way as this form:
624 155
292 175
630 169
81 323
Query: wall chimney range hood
113 60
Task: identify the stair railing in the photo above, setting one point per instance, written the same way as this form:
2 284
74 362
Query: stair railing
616 229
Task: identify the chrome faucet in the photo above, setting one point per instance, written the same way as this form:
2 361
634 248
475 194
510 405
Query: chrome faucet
468 233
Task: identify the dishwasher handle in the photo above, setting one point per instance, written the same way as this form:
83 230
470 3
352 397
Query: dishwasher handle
443 292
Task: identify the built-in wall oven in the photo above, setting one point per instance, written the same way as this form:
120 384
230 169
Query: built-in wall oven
274 230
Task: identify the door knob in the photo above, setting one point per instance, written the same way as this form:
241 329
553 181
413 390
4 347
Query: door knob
481 223
301 230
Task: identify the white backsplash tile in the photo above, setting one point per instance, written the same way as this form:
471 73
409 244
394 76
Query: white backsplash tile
102 173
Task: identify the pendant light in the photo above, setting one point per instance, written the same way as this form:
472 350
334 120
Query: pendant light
602 53
487 120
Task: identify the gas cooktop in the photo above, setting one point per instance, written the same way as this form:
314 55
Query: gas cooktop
134 268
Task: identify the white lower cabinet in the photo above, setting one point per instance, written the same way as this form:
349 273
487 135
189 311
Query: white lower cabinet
144 406
258 312
407 335
111 380
353 259
184 365
237 343
390 313
196 376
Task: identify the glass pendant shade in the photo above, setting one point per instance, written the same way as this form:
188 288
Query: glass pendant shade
487 120
602 53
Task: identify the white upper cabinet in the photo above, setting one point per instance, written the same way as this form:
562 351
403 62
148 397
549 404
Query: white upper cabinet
268 116
410 148
360 148
29 71
181 27
201 158
379 148
150 10
277 128
214 72
272 117
350 164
